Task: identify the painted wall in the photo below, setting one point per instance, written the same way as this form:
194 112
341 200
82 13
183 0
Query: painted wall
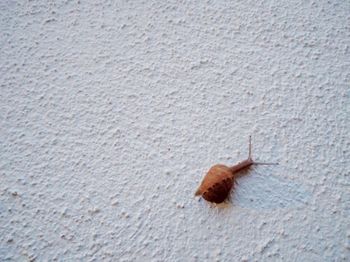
111 112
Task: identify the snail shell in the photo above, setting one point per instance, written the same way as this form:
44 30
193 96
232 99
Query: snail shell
217 184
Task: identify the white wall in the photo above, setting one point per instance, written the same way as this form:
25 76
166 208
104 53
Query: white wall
111 113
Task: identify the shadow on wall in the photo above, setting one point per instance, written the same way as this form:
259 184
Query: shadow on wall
261 190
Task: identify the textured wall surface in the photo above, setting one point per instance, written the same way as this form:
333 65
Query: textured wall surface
111 114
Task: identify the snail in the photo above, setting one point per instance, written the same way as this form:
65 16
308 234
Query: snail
220 179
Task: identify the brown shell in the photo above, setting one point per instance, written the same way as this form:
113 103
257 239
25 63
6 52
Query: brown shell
217 184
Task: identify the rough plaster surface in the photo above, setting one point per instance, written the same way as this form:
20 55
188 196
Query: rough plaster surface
111 113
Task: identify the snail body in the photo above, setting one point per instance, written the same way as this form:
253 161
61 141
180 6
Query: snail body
220 179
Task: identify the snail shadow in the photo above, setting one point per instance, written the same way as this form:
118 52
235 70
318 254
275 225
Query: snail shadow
260 188
224 205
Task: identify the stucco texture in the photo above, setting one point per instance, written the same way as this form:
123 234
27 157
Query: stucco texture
111 113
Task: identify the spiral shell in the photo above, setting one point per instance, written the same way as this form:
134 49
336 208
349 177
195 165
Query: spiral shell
217 184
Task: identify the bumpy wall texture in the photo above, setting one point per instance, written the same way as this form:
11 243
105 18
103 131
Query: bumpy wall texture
112 111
